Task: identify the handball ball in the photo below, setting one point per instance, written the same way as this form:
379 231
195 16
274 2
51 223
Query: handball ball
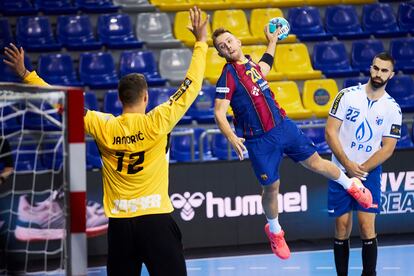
276 22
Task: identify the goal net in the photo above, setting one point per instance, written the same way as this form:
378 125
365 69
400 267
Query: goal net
42 170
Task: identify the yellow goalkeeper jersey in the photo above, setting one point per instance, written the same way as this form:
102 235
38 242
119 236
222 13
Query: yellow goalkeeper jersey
133 147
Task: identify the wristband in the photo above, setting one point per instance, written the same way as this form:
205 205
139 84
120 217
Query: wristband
267 58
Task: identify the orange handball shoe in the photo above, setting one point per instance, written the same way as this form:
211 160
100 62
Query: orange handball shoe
360 193
278 243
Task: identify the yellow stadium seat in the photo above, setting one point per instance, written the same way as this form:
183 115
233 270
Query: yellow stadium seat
172 5
260 17
288 96
245 4
323 2
318 95
211 4
293 61
181 32
358 1
256 52
214 65
236 22
285 3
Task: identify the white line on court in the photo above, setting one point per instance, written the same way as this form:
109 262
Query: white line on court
291 267
391 268
226 268
355 267
324 267
258 267
194 268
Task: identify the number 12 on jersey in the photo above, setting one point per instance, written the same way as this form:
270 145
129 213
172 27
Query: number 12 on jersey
136 159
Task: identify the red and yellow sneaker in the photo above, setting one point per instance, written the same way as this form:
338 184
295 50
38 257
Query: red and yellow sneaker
278 243
361 194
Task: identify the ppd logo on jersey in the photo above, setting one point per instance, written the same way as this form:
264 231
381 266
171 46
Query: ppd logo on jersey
248 205
397 195
363 135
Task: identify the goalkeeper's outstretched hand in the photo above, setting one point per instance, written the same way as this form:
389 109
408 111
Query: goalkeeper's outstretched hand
15 59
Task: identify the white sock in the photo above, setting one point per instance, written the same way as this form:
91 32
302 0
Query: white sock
274 225
344 180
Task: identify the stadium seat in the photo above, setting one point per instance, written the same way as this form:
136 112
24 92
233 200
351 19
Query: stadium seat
220 148
379 20
93 157
97 70
306 24
174 63
155 30
91 102
358 2
26 157
116 31
401 89
331 58
288 96
181 145
141 62
96 6
405 141
260 17
343 22
215 65
211 4
402 50
202 109
293 61
8 75
236 22
247 4
111 103
52 152
181 32
6 36
323 2
363 52
134 5
406 17
58 69
256 52
17 7
354 81
35 34
317 135
9 124
318 96
76 33
172 5
36 121
284 3
57 6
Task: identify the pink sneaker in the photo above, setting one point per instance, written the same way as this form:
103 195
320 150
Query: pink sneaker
361 194
278 243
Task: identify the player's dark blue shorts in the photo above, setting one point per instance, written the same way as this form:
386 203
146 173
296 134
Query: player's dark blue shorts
266 151
340 202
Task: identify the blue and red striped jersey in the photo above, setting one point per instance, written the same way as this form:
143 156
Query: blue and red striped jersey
255 109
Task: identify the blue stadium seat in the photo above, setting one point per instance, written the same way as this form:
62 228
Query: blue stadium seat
379 20
111 103
317 135
97 6
52 152
181 146
141 62
401 89
116 32
91 102
363 52
6 36
58 69
35 34
26 159
12 123
406 17
8 75
93 157
354 81
35 121
202 110
17 7
97 70
306 23
164 96
402 50
75 33
57 6
219 148
343 22
405 142
331 58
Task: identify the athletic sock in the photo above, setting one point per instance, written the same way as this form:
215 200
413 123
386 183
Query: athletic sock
341 253
369 257
274 225
344 180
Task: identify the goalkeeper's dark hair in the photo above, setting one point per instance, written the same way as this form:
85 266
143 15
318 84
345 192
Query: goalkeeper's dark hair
131 88
385 56
217 33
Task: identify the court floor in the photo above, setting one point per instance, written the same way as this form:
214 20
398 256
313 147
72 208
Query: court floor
392 261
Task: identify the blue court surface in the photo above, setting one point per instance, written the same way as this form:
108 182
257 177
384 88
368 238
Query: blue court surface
392 261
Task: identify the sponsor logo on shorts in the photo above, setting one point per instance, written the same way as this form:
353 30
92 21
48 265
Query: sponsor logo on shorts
335 105
264 177
224 90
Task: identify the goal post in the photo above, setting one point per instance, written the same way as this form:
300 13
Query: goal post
43 202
